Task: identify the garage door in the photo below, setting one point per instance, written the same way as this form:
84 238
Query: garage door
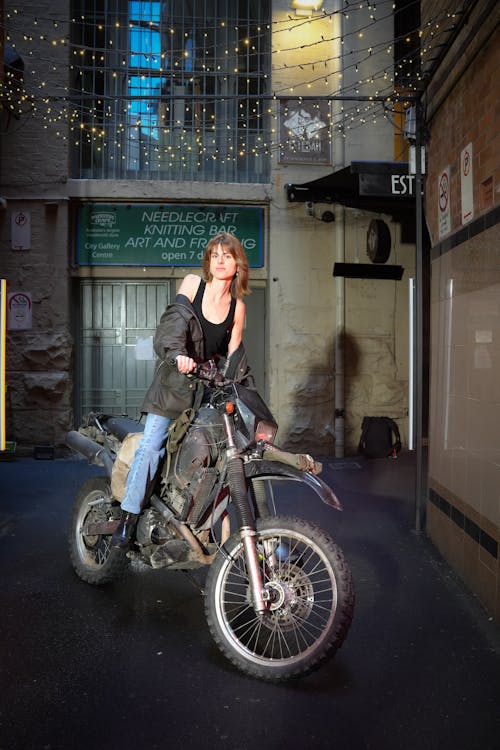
117 322
115 360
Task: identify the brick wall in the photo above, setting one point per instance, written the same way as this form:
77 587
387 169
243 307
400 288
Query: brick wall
465 108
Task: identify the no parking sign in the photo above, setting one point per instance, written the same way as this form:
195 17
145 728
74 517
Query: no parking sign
466 184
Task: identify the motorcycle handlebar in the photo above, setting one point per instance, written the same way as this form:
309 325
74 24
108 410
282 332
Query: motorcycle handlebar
207 372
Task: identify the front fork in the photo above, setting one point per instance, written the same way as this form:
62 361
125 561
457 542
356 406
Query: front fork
246 521
259 594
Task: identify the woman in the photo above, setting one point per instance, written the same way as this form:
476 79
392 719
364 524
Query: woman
205 322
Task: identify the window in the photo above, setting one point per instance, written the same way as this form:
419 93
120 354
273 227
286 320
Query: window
171 90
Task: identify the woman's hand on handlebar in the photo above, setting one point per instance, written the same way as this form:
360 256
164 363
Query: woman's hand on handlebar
185 364
206 371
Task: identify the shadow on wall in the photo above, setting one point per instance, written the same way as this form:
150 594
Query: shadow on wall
354 393
313 404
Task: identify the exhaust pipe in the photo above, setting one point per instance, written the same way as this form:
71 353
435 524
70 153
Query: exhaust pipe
93 452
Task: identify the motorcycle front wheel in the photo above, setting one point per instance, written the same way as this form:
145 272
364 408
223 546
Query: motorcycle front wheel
310 600
92 556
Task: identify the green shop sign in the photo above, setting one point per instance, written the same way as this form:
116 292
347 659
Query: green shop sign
163 235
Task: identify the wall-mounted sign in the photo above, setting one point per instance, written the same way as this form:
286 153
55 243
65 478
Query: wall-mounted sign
19 311
444 220
304 132
163 235
395 185
20 230
466 184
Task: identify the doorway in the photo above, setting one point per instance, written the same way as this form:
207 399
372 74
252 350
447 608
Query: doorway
115 361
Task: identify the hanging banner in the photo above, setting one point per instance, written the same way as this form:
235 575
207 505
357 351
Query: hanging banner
304 132
163 235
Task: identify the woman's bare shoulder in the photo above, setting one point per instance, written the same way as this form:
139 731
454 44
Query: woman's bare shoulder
240 311
189 286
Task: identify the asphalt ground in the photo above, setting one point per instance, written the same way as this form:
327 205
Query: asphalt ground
133 665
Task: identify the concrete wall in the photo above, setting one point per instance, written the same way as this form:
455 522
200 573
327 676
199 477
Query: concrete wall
304 298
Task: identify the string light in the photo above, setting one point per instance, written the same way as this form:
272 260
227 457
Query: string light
60 107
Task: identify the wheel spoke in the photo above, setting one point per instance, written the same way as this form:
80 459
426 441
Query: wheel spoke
91 555
302 591
94 550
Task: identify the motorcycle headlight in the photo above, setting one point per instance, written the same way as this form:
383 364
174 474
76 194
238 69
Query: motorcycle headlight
265 431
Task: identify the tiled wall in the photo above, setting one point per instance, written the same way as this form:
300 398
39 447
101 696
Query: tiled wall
463 517
462 115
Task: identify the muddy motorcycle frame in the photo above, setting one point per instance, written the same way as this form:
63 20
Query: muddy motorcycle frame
278 595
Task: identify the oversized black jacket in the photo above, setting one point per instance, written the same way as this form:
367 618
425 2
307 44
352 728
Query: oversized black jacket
179 332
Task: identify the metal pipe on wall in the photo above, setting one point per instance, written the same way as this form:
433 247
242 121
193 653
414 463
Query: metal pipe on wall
339 334
339 163
411 366
420 479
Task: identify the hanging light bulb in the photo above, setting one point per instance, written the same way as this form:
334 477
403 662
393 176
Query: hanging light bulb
306 7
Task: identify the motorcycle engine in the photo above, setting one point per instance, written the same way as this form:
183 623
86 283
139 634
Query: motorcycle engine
192 475
151 528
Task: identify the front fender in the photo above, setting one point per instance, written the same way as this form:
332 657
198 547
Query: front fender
257 468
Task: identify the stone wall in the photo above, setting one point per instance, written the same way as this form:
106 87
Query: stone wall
302 301
33 170
39 371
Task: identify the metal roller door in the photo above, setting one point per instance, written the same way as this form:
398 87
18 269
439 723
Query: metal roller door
115 361
117 322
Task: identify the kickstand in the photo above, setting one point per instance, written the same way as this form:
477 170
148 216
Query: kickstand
193 580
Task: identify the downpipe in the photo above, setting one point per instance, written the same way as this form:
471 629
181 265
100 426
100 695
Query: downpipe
185 532
188 536
93 452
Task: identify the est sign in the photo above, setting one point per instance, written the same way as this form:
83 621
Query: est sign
402 184
387 184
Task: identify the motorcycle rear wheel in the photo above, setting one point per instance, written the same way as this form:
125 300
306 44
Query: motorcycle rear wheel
311 601
92 557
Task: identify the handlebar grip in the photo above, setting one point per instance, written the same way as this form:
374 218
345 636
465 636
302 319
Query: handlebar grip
206 371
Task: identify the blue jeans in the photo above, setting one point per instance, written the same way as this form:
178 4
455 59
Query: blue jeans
145 463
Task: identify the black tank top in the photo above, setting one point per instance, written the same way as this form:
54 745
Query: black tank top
216 335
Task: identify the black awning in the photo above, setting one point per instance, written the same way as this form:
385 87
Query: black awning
380 187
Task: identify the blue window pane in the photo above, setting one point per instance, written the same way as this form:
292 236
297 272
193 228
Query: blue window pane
145 42
145 109
144 11
145 49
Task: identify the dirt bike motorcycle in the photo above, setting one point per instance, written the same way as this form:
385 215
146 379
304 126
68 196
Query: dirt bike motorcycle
278 591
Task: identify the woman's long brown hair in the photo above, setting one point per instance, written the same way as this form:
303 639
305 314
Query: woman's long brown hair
239 284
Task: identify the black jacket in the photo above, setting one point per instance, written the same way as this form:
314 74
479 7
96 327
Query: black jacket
179 332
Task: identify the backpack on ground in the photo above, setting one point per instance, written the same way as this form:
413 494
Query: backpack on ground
379 438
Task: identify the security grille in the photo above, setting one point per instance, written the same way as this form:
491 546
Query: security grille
171 90
116 362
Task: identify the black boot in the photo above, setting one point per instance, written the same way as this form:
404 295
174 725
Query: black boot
122 535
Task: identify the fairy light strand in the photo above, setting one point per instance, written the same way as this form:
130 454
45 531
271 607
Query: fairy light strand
56 109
